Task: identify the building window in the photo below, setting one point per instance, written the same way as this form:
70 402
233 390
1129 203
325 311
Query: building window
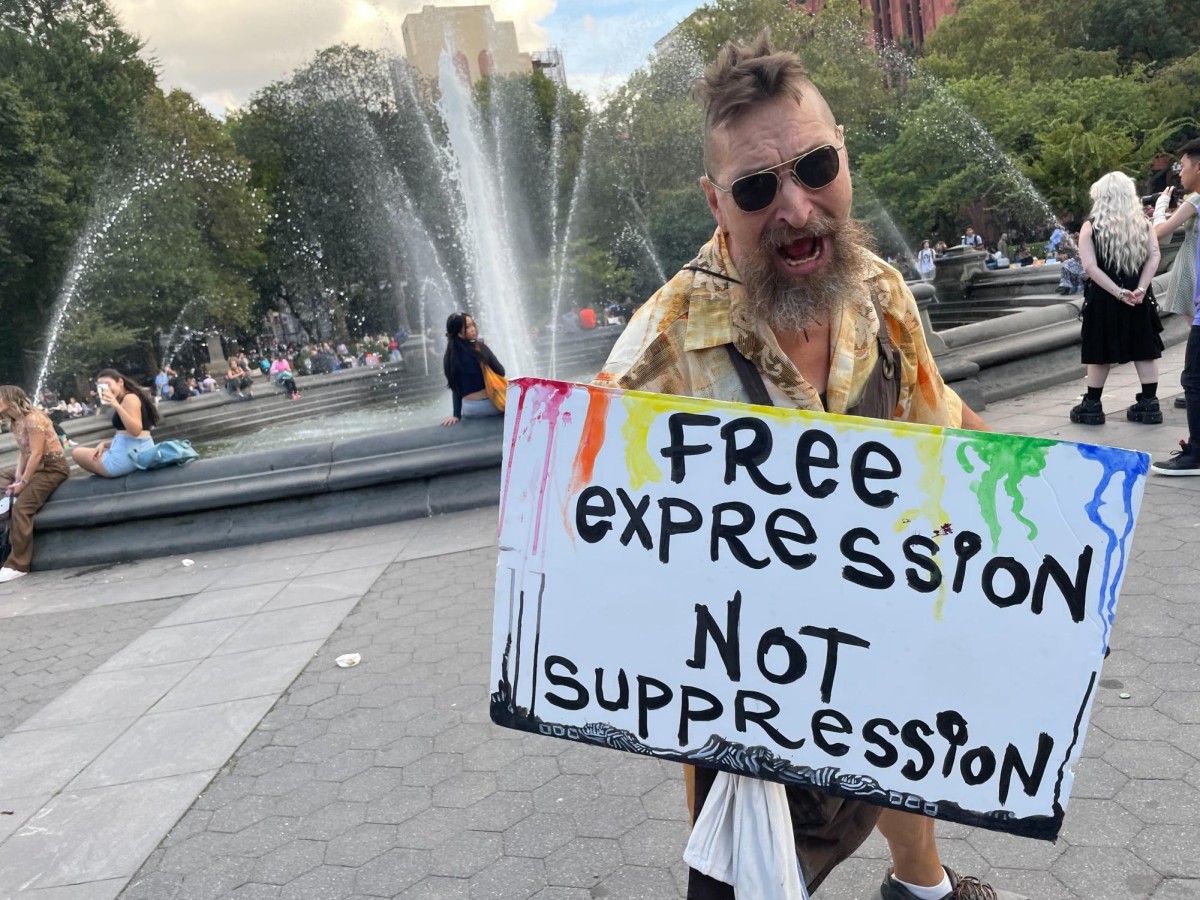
487 65
462 66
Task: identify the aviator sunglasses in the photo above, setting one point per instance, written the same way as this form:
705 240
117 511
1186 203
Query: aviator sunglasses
814 169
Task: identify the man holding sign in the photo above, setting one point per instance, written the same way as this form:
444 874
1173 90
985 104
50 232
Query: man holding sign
787 306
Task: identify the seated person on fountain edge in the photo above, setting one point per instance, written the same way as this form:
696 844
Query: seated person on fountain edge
134 414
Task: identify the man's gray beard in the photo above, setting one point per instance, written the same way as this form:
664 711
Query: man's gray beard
790 304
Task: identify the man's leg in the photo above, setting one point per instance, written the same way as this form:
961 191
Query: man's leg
1190 382
1186 461
914 849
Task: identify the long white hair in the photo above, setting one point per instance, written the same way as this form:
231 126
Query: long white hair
1119 227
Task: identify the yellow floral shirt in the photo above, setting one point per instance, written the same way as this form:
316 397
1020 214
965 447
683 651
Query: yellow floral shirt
675 343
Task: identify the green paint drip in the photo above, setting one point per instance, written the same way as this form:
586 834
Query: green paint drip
1006 459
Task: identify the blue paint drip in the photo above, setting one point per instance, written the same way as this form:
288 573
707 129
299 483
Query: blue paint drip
1132 466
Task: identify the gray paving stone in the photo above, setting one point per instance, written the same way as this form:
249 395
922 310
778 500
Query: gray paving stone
510 877
1162 802
360 845
466 853
109 695
34 763
1169 849
436 887
176 643
540 834
327 883
224 604
175 743
96 835
289 862
1178 889
392 872
238 676
1105 872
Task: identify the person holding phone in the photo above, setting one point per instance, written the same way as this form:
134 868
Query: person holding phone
133 416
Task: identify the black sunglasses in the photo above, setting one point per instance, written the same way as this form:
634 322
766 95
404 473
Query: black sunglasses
814 169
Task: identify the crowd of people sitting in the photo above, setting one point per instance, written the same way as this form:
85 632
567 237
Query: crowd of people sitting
1060 249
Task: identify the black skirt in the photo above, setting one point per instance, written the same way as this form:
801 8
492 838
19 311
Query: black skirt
1114 332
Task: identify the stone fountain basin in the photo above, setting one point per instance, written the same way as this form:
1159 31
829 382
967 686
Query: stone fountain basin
272 494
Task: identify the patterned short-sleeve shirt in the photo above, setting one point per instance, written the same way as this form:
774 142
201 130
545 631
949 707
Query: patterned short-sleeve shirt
24 428
675 343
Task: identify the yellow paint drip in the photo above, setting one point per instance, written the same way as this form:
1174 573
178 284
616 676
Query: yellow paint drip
931 484
641 411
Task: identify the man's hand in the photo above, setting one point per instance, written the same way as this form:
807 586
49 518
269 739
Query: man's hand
971 420
450 420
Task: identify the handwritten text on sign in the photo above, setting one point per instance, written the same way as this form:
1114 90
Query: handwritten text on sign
903 614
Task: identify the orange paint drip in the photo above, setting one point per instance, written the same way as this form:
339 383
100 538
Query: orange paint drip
592 439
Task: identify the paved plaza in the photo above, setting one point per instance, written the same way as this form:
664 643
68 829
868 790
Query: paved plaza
175 730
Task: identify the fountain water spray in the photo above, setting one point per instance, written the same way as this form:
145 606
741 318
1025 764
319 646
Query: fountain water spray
491 255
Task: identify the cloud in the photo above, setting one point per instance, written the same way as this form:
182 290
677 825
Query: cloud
223 50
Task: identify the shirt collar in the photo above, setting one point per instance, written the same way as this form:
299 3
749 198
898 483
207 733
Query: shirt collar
715 292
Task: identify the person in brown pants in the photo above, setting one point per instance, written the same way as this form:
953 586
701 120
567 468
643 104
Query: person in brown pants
41 467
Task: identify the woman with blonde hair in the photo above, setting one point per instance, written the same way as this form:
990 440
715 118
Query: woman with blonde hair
41 467
1119 253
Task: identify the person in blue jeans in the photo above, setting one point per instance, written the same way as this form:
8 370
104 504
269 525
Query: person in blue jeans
133 416
1186 460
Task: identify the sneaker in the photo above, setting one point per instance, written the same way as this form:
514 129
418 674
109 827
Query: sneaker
7 574
1184 461
1181 402
1088 412
1146 411
962 887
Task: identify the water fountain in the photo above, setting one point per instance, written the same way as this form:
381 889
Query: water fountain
92 241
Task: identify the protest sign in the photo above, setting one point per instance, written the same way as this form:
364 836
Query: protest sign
909 615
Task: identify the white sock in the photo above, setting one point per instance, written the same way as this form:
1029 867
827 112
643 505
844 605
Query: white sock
937 892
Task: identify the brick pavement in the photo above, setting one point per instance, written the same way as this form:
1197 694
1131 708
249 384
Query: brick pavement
387 780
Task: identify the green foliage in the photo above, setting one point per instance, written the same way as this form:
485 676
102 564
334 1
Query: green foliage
71 83
1149 32
597 278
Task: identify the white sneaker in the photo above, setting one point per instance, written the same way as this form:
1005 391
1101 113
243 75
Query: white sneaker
7 574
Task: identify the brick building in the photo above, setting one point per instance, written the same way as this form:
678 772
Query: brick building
901 21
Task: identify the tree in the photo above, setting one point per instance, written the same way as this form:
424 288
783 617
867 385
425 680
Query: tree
1149 32
180 245
72 82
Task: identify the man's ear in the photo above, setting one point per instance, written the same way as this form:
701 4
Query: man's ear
713 197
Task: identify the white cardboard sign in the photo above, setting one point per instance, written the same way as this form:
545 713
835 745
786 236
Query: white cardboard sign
908 615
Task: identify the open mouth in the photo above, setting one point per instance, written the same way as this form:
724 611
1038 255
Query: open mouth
802 251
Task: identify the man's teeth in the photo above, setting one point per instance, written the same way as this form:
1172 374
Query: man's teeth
801 260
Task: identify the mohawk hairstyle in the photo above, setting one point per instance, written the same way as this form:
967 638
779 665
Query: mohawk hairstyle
743 77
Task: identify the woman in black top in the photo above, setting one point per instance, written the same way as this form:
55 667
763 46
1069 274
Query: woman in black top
464 373
133 416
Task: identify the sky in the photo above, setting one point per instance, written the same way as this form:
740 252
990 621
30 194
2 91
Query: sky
221 51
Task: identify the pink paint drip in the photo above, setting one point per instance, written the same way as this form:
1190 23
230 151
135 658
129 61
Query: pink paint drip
553 395
523 383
